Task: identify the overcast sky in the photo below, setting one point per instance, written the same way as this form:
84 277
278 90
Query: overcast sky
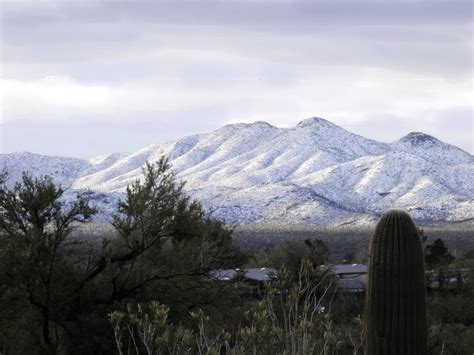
82 78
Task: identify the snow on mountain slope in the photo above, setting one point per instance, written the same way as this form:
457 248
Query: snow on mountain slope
278 203
244 155
316 172
63 170
432 149
398 179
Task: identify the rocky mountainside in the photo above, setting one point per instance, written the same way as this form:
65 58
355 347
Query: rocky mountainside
316 173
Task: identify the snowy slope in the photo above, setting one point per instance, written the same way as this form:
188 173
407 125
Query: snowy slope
63 170
316 172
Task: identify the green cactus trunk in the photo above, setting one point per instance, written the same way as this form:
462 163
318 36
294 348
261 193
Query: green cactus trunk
396 298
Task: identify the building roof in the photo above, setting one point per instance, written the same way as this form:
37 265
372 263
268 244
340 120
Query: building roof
224 274
260 274
339 269
256 274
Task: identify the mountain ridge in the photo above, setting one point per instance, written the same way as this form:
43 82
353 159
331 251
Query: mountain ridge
316 173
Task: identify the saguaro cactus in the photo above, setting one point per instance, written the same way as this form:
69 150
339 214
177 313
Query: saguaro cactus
396 296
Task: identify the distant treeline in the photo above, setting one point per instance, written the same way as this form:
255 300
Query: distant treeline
342 241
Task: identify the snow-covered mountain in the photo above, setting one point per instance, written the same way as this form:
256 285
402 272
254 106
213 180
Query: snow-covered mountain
316 172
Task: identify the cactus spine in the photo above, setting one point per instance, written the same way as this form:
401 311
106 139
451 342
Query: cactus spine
396 297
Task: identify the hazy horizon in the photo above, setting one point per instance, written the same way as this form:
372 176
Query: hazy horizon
87 78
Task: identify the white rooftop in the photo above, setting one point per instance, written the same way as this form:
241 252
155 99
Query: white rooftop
257 274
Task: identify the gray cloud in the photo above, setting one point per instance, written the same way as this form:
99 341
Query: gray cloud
433 36
189 66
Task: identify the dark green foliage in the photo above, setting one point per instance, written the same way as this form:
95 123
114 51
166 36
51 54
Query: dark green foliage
292 254
469 255
55 294
437 254
451 315
35 271
396 297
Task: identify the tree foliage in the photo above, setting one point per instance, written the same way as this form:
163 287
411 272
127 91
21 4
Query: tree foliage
163 249
437 254
292 254
34 228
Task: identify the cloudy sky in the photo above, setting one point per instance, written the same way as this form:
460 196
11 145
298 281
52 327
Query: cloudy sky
86 77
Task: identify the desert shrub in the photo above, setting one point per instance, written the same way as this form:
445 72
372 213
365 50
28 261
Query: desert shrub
288 320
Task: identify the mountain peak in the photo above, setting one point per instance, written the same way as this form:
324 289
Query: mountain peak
432 149
316 122
261 124
419 138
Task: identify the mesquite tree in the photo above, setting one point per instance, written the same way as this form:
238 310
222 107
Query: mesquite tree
35 224
161 245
